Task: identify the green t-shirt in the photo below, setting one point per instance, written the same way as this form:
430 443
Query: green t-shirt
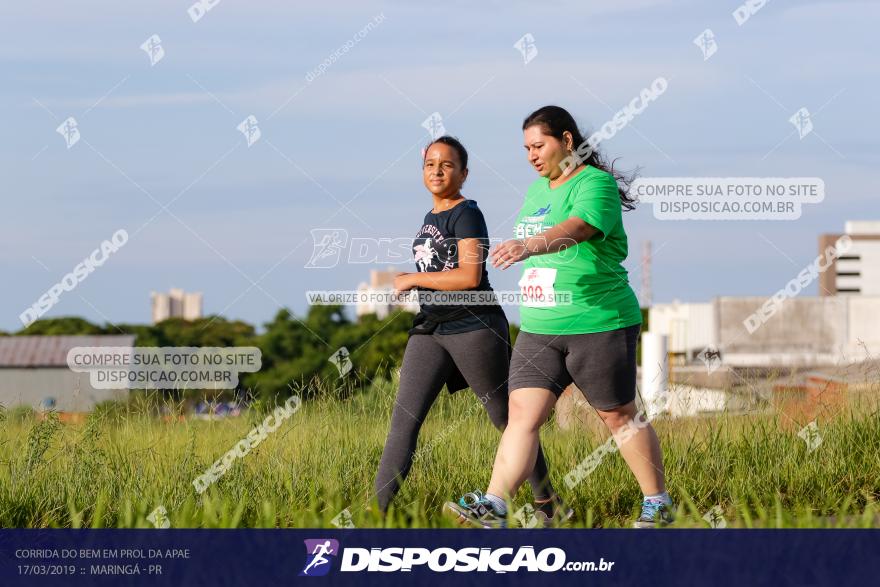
590 273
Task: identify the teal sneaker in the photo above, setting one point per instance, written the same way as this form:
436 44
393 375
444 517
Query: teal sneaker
473 508
655 513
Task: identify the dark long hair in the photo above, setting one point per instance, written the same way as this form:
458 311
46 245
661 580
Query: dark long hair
555 120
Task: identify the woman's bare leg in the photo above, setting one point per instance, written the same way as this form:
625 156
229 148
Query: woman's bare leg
640 447
529 409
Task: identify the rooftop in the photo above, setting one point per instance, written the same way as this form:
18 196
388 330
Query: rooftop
51 351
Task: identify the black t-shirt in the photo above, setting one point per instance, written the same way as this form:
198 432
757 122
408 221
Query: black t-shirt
435 248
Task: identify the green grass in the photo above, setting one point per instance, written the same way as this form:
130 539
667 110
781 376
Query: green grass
116 468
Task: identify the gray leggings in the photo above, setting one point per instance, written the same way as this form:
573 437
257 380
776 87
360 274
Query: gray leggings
482 357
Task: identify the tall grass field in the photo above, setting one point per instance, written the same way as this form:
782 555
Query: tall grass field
317 469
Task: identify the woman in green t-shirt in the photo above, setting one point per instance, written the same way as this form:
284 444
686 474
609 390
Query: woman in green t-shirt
580 319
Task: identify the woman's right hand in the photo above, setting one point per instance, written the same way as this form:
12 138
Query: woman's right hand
509 252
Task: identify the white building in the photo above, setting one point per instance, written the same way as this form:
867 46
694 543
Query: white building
841 325
34 372
176 304
686 326
381 283
803 331
857 271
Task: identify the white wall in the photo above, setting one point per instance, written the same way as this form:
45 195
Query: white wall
689 327
864 326
804 330
71 390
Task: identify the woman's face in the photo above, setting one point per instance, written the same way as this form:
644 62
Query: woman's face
442 172
545 152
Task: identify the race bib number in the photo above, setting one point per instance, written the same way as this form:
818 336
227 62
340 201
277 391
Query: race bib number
536 287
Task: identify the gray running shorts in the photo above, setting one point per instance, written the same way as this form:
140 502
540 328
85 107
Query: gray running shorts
601 364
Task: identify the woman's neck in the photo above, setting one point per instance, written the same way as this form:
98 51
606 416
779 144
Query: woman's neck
443 203
564 177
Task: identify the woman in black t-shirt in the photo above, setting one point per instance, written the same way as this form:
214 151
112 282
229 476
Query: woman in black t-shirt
456 345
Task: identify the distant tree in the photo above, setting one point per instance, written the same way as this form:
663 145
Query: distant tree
286 338
207 331
375 346
514 331
325 321
291 352
296 353
67 325
145 334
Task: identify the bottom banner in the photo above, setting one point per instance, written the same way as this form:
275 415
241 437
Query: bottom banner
439 557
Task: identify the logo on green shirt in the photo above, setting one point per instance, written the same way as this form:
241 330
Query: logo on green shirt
533 224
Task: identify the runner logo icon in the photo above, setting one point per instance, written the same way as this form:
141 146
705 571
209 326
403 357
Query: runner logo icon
318 553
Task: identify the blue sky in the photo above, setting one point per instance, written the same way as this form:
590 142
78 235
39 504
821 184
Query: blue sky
237 221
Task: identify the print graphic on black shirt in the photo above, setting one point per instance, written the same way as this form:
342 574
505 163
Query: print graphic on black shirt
435 248
434 254
425 256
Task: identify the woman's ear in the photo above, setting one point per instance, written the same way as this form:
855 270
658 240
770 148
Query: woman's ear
464 175
568 141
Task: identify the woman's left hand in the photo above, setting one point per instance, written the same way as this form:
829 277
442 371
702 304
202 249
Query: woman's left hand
403 282
509 252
